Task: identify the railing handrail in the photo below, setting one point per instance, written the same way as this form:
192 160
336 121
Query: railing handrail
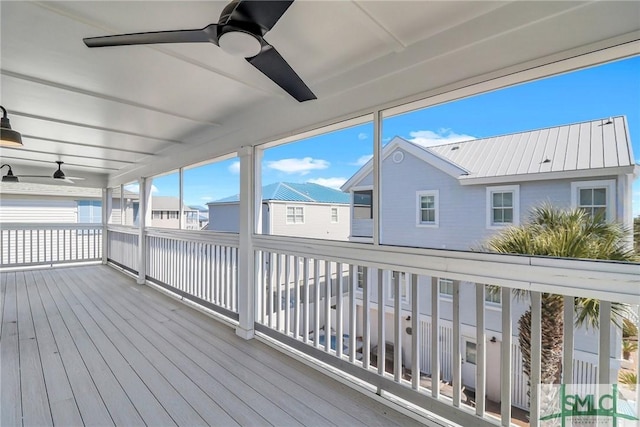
127 229
48 226
201 236
610 281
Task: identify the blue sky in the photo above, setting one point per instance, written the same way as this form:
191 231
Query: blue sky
608 90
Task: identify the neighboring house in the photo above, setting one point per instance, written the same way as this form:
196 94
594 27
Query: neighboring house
290 209
203 216
40 203
456 195
165 213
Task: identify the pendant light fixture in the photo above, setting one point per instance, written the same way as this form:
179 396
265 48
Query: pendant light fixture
8 136
9 177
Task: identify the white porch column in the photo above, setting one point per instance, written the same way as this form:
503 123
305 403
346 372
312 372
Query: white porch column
107 205
144 212
624 211
181 220
246 258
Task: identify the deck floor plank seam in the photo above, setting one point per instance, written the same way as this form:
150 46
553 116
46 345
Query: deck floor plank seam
10 387
33 386
230 363
205 406
284 369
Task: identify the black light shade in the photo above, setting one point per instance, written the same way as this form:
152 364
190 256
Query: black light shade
9 177
8 136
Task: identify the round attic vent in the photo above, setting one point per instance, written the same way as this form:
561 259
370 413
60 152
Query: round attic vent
398 157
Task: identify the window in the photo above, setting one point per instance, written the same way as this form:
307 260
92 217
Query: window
493 297
445 287
295 215
156 215
470 352
427 208
363 204
595 197
173 214
404 286
334 215
361 277
503 206
89 211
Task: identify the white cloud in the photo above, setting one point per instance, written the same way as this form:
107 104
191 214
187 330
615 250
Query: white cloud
135 188
428 138
298 166
362 136
362 160
330 182
234 168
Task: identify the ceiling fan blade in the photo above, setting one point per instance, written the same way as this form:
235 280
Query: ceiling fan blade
34 176
263 13
273 65
75 178
206 34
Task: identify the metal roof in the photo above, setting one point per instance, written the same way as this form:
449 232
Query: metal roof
296 192
594 148
167 203
596 144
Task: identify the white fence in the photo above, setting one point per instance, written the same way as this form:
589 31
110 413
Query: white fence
35 244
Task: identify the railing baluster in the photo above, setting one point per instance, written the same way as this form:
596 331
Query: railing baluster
604 348
415 333
481 353
305 278
366 320
316 305
296 284
339 320
435 341
353 272
287 294
381 323
536 359
456 353
397 327
327 305
505 357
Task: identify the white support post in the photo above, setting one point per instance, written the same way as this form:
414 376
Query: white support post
181 197
377 166
122 203
604 350
106 218
246 267
144 211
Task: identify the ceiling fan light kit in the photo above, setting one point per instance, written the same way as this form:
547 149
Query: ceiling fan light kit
9 177
240 31
8 136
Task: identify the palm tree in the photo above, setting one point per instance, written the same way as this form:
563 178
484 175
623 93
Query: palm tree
568 234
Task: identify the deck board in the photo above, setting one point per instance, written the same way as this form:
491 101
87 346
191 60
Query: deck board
103 350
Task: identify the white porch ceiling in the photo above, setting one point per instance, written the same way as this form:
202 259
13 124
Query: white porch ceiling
120 113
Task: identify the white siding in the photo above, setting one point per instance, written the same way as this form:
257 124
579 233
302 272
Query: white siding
37 210
317 221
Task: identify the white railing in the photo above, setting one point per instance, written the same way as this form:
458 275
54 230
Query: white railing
201 266
122 244
24 245
323 298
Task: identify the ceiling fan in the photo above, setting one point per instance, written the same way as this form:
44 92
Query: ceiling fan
239 31
58 175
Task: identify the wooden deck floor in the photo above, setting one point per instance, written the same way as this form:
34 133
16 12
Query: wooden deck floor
86 345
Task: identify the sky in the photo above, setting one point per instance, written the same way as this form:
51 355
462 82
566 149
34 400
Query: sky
607 90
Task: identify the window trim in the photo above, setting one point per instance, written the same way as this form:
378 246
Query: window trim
419 195
404 283
294 207
334 209
353 205
515 189
609 184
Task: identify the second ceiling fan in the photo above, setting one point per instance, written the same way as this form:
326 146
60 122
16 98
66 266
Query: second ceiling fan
239 31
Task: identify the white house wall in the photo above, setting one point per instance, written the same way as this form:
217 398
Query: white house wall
317 221
462 209
37 209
